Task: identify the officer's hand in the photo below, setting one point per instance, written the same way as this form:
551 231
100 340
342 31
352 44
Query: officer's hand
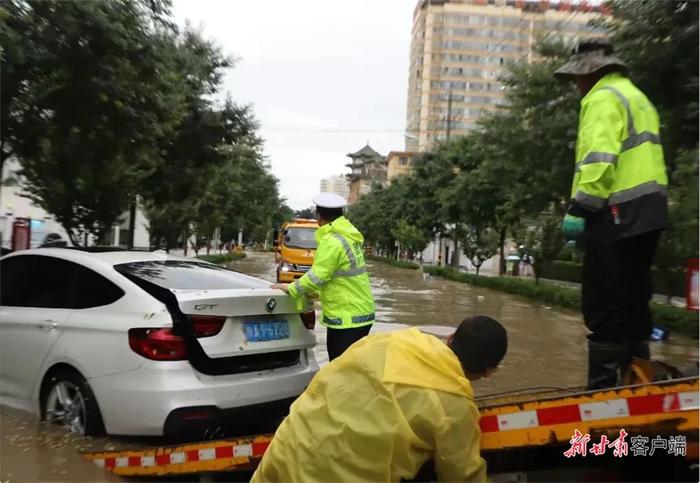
281 286
572 226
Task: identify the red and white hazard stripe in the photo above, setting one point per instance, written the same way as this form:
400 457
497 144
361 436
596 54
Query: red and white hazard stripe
592 411
251 450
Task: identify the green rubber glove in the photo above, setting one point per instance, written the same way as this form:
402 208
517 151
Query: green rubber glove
572 226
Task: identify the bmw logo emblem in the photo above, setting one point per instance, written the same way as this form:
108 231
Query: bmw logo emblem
270 304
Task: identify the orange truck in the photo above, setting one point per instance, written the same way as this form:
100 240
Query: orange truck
295 247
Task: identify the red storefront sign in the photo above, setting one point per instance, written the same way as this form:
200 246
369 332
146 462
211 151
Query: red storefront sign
21 234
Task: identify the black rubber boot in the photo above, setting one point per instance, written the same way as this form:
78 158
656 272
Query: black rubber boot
606 360
640 349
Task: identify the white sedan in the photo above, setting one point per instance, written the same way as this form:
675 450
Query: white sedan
138 343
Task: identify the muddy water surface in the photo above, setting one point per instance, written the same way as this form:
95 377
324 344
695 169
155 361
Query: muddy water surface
547 348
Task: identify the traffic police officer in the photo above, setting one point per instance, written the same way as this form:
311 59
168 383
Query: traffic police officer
619 202
339 275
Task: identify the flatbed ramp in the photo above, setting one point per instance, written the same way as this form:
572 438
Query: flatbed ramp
521 432
241 454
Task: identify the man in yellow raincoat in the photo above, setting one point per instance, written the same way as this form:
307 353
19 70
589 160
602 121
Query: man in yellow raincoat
389 404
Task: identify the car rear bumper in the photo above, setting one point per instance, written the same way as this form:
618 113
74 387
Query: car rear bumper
210 422
139 402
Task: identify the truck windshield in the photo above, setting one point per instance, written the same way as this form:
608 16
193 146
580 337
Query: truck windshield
300 238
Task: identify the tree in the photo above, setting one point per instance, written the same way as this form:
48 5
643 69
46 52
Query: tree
412 239
283 213
480 244
659 40
88 95
308 213
543 239
680 241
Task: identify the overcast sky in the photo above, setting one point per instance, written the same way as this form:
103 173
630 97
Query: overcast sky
323 77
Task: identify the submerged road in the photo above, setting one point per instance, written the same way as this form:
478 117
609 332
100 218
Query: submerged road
547 348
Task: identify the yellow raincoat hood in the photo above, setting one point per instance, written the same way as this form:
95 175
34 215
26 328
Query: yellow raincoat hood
390 403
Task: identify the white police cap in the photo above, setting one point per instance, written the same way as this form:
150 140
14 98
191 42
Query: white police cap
329 200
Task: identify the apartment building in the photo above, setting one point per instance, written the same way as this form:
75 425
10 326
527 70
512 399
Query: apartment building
336 184
399 163
459 49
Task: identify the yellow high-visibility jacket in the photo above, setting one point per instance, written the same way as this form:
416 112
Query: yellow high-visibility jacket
390 403
620 169
340 276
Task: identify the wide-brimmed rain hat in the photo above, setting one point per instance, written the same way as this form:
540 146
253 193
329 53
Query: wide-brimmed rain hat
589 56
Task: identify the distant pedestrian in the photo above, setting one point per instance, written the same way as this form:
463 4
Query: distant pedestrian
619 203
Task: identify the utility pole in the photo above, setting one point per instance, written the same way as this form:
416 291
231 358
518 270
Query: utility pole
456 231
449 115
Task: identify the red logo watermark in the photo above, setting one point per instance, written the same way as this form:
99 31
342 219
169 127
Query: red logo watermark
638 445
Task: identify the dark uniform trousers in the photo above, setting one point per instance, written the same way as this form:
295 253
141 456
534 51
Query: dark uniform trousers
338 340
617 287
615 299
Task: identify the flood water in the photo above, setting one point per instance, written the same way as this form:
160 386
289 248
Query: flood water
547 348
546 345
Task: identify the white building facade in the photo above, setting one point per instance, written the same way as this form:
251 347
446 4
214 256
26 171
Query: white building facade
336 184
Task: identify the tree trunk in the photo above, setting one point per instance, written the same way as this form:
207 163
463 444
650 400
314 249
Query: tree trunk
455 252
132 225
502 258
477 269
73 237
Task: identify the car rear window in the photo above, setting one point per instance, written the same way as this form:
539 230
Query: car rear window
188 275
300 238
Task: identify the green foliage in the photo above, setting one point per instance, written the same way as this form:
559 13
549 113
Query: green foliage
680 241
106 101
543 240
680 320
378 215
88 94
307 213
411 238
393 262
564 271
221 259
479 245
670 282
660 42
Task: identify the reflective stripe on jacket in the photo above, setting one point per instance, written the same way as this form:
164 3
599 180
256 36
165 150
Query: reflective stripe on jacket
340 276
619 159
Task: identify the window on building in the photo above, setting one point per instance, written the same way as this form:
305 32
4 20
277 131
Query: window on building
403 161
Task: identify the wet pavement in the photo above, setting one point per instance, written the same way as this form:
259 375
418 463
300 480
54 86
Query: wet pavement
547 348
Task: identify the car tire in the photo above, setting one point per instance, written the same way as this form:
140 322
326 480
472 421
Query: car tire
67 400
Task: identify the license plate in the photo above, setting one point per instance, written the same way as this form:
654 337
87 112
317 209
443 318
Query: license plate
263 331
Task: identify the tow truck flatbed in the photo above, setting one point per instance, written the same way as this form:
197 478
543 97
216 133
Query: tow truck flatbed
514 427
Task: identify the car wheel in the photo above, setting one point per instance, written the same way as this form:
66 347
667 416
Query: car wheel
68 401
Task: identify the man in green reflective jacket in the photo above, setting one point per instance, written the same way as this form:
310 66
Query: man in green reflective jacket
339 275
619 202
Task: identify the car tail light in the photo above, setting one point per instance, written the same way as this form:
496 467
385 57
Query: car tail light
158 344
207 325
309 319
